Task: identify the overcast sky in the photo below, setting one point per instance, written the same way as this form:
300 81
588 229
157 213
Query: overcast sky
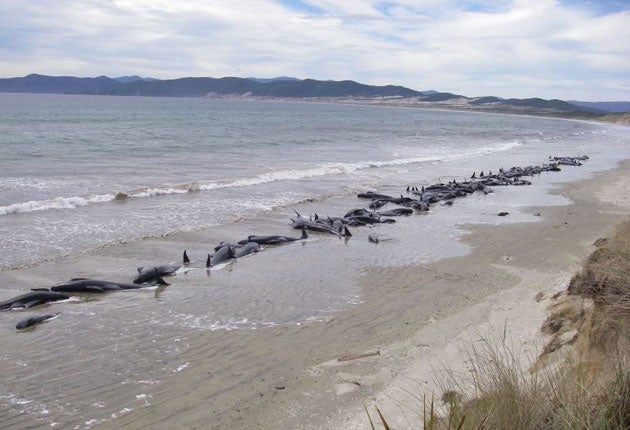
565 49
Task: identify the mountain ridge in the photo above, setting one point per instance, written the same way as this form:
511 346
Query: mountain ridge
285 87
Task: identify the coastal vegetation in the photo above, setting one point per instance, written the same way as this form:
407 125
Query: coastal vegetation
581 378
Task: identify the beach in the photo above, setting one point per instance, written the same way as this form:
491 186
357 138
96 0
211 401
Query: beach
256 343
295 382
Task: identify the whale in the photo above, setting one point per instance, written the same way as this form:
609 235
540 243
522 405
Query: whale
276 239
155 273
246 249
33 298
221 255
396 212
33 320
85 285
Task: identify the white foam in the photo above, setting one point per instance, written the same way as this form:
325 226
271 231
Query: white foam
284 175
56 203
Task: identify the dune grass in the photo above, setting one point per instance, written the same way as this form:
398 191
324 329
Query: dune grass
588 389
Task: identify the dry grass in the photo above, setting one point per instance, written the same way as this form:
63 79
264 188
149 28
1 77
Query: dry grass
605 279
589 390
506 395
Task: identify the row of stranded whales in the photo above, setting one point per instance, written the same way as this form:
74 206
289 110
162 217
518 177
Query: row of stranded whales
38 296
425 196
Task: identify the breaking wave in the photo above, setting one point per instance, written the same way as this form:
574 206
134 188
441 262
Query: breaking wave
165 190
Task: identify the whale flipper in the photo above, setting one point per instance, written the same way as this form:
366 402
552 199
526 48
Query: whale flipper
28 304
158 278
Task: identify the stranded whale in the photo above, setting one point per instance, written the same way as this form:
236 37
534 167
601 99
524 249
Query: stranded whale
274 240
33 320
84 285
155 273
33 298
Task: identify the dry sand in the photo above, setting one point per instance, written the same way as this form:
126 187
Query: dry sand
420 320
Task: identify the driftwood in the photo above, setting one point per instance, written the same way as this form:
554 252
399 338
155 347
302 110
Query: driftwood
357 356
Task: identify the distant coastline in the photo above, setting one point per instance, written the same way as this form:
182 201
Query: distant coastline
310 90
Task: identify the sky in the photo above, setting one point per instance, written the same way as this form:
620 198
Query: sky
566 49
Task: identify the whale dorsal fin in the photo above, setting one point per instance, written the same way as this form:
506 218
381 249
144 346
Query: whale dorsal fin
140 269
346 232
208 261
186 259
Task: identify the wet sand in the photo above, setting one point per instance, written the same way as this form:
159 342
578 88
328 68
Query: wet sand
125 361
417 317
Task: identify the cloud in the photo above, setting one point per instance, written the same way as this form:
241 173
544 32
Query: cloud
544 48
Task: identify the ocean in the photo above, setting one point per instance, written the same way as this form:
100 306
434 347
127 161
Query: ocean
94 186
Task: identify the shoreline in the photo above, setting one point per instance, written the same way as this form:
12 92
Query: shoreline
414 329
609 118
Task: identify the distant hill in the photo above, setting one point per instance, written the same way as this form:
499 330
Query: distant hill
533 105
125 79
230 86
617 107
56 84
285 87
267 80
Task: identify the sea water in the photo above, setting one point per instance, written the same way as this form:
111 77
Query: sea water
97 186
78 173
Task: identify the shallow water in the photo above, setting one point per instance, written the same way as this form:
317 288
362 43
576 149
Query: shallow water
250 164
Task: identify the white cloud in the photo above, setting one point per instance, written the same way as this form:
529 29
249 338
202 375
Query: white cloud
506 48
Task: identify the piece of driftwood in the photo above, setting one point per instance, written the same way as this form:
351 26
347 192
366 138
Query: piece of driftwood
357 356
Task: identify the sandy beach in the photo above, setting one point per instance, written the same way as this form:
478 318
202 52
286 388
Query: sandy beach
420 319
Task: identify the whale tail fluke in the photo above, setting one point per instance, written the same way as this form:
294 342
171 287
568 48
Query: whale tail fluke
186 259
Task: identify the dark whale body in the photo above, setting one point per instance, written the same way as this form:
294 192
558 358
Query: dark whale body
33 298
221 255
155 273
33 320
84 285
247 249
274 240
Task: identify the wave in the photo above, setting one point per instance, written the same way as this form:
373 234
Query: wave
165 190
